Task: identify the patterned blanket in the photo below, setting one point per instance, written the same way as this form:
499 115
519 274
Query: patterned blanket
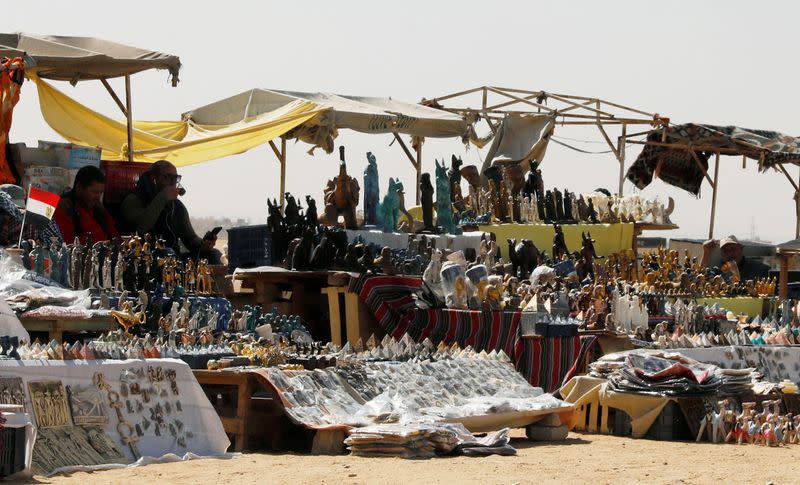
678 167
543 361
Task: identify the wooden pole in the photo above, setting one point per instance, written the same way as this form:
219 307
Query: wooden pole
783 280
714 198
283 170
621 157
419 171
129 116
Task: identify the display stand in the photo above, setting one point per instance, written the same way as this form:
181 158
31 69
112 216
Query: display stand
292 292
351 320
55 328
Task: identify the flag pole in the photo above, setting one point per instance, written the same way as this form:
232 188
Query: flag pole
22 228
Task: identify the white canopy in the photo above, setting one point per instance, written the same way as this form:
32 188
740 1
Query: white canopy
359 113
68 58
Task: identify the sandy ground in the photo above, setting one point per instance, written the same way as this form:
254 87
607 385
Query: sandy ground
580 459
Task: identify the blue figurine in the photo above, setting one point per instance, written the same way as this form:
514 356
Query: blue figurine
389 209
444 208
55 266
371 191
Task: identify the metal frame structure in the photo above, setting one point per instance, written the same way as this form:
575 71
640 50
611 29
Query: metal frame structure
568 110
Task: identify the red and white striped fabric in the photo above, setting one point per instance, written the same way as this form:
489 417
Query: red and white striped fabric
42 202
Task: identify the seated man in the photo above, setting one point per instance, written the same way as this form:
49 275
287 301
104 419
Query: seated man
12 209
732 250
154 208
80 212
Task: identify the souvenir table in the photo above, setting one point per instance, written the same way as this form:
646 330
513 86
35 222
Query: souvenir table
177 419
399 240
543 361
609 238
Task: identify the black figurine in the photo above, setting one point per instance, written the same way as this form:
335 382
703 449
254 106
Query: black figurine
426 191
311 212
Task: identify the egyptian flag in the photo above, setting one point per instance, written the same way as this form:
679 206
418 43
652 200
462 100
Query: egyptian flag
41 202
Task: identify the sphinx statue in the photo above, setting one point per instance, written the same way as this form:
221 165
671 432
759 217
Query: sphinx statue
341 197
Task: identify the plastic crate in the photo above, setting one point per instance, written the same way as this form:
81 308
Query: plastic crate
121 178
249 246
12 451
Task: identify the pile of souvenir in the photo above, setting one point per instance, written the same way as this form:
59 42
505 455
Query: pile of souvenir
133 264
405 349
425 440
671 374
770 427
359 393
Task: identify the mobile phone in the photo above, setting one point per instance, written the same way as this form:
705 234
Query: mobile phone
213 233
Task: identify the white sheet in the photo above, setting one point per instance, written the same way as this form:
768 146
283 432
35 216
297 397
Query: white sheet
198 415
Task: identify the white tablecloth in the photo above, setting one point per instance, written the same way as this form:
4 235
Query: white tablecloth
197 415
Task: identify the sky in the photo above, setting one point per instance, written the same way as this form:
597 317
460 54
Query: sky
716 62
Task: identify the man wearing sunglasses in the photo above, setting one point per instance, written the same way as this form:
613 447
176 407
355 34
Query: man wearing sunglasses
153 207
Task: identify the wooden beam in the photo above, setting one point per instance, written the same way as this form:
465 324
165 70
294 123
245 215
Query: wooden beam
275 150
572 103
521 100
608 140
129 116
621 157
405 149
702 169
788 177
713 197
114 97
455 95
283 171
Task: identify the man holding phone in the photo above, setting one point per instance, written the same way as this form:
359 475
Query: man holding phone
153 207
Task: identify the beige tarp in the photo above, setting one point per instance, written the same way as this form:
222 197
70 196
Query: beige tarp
359 113
79 58
520 138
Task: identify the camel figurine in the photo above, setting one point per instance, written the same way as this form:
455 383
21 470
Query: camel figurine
341 197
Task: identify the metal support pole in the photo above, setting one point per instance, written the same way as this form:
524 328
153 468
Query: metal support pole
714 198
129 115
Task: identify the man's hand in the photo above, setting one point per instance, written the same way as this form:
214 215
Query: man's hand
710 245
208 243
170 192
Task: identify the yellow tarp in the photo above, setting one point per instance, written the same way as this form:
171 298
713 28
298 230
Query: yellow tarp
750 306
181 142
609 238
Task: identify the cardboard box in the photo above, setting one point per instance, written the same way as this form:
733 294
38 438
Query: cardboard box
67 155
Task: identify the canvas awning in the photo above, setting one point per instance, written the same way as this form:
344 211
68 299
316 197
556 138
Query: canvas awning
360 113
182 142
73 59
669 155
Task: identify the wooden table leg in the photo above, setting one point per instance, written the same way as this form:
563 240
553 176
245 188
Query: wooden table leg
56 331
243 411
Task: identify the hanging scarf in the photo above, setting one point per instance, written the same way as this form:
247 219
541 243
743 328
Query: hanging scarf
12 74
